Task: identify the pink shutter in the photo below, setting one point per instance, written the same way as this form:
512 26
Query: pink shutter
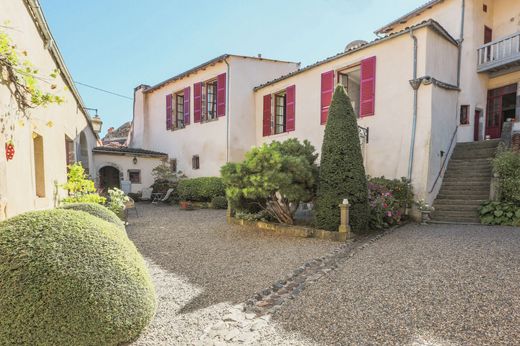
169 111
327 89
197 102
290 100
267 116
221 95
187 106
368 87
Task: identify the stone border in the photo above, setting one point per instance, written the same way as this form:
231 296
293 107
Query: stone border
270 299
291 230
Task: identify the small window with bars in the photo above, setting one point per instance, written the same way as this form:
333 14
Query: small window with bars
195 162
280 112
464 115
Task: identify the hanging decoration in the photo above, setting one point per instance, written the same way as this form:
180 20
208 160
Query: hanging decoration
9 150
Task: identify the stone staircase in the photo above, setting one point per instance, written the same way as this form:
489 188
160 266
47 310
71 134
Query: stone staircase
466 183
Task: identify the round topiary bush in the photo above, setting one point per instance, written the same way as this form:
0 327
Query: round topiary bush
219 202
98 211
69 278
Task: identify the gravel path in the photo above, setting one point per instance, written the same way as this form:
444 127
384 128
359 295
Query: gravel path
228 263
419 285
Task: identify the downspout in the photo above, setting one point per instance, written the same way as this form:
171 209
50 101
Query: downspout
227 111
415 86
461 39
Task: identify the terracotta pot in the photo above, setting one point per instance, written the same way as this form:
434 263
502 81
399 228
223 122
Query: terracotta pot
186 205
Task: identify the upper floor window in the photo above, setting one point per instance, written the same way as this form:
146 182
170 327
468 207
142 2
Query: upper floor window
350 79
178 122
210 104
464 115
280 112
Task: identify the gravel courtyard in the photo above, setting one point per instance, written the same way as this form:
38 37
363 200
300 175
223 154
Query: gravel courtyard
419 285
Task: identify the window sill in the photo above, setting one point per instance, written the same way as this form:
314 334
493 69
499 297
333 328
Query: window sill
281 134
178 128
208 120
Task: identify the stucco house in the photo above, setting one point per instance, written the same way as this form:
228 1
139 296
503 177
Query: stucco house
203 117
443 74
54 136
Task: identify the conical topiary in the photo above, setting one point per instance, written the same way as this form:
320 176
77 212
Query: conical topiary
342 174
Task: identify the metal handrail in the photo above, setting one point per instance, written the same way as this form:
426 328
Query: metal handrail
445 159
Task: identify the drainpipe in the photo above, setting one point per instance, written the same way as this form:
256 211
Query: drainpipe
415 86
227 111
461 39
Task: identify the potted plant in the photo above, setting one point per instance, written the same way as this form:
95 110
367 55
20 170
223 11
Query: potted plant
186 205
425 210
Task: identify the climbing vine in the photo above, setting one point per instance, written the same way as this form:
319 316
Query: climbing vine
23 81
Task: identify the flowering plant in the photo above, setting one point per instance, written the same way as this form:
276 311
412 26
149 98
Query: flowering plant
385 209
423 206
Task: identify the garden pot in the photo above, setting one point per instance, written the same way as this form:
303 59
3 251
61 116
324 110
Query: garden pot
186 205
425 217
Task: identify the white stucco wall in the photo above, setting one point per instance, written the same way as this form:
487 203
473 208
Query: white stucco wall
17 176
208 140
124 163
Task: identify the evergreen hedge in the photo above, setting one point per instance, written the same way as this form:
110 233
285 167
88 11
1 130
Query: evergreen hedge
342 174
201 189
96 210
69 278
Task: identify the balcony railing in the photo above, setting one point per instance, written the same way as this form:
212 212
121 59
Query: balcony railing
500 54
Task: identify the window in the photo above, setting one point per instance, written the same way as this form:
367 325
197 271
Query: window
210 100
70 155
134 175
178 120
39 165
464 115
484 8
195 162
350 79
280 112
173 165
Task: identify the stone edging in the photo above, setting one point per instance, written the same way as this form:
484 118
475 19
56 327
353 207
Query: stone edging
291 230
270 299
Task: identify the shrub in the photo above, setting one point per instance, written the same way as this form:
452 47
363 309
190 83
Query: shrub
385 209
88 198
98 211
69 278
116 202
80 188
200 189
276 176
507 166
219 202
400 188
342 174
500 213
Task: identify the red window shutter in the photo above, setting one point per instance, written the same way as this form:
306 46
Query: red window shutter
368 87
187 105
169 111
267 116
197 102
327 89
290 94
221 95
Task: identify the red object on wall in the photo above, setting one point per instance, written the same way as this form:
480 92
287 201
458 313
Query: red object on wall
368 87
169 99
290 100
221 95
187 92
197 102
9 150
327 89
267 116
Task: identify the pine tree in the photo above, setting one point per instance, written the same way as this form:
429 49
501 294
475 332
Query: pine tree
342 174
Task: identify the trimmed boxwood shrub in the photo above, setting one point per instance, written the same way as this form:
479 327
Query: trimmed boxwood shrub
200 189
98 211
219 202
69 278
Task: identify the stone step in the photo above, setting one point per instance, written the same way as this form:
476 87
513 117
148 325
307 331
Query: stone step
449 179
472 163
474 154
458 202
465 183
452 207
457 218
455 190
482 144
454 222
468 175
464 196
456 213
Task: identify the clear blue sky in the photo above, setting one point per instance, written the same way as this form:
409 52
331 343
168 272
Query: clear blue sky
119 44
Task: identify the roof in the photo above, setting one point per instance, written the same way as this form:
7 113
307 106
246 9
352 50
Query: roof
428 23
41 24
213 61
126 150
406 17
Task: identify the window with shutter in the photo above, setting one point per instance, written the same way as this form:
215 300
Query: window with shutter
290 106
178 122
266 121
368 87
169 111
280 112
221 95
327 89
187 92
197 102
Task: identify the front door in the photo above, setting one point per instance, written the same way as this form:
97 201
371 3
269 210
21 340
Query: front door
476 126
495 110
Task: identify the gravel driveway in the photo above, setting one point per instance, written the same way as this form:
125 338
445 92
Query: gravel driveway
227 262
419 285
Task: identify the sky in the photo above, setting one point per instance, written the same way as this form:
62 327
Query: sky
118 44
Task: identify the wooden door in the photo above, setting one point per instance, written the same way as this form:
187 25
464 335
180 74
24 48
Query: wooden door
488 35
494 116
476 125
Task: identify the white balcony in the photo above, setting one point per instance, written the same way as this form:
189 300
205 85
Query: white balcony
500 54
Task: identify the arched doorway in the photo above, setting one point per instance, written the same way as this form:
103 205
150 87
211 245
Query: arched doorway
83 151
109 178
